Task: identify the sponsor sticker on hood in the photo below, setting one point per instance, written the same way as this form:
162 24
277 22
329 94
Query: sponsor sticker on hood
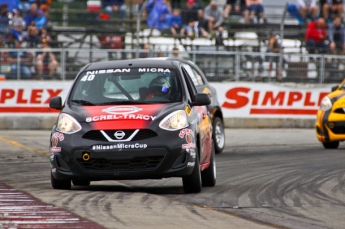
122 110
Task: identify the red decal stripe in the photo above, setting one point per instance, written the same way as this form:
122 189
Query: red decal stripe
274 111
28 110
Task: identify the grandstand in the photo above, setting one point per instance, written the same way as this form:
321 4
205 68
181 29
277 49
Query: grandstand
81 32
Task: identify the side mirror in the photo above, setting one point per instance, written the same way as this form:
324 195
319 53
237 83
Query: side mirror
201 99
334 88
56 103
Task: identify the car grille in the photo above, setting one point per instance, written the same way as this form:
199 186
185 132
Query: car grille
135 164
98 136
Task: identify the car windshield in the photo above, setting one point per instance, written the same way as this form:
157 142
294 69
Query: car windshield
127 86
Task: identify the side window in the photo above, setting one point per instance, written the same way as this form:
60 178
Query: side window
191 88
191 74
198 77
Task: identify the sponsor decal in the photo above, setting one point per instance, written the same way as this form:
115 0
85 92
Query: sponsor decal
118 117
110 70
121 110
153 70
120 146
188 146
190 164
274 100
56 137
184 132
188 134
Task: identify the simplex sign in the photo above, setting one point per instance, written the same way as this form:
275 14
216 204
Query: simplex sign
30 97
264 100
238 100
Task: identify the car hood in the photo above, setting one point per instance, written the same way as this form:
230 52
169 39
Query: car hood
126 116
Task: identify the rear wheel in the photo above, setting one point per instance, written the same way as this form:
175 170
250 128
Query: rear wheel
59 184
192 182
218 135
331 145
209 175
81 182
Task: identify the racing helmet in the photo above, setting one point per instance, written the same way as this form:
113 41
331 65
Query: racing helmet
160 86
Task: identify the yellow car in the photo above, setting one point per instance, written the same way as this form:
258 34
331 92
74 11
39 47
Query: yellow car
330 122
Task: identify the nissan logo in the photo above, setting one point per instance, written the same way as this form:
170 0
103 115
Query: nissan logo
119 134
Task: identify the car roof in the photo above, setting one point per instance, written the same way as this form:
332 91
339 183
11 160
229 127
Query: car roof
159 62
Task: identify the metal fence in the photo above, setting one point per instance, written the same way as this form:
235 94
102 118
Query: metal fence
217 66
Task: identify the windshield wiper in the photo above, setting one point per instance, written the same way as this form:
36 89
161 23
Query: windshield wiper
82 102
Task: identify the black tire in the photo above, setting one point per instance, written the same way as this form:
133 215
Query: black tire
331 145
192 182
60 184
209 175
218 135
81 182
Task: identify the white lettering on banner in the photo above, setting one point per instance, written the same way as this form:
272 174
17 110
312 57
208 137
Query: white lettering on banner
124 116
267 100
119 146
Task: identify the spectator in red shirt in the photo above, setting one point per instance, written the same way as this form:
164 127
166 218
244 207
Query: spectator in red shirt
315 36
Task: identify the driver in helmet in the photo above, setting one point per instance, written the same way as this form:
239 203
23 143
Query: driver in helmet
159 86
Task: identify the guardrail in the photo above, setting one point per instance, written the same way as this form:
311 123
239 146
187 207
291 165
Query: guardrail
217 66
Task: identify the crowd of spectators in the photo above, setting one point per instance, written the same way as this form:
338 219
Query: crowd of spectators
26 22
196 20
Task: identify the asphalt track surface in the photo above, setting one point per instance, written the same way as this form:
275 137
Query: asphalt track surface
266 178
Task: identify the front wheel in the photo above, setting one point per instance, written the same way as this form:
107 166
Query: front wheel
192 182
59 184
331 145
209 175
218 135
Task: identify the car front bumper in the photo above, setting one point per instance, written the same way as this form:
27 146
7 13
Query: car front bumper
155 158
330 126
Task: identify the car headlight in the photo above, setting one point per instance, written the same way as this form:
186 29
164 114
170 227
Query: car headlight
67 124
326 104
174 121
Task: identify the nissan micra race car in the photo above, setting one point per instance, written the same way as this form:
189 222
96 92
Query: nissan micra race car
330 122
133 119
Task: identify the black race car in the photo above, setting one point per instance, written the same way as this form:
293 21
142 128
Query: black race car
133 119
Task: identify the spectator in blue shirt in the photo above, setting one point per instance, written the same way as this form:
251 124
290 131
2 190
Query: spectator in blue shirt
32 13
40 19
175 21
115 7
159 16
